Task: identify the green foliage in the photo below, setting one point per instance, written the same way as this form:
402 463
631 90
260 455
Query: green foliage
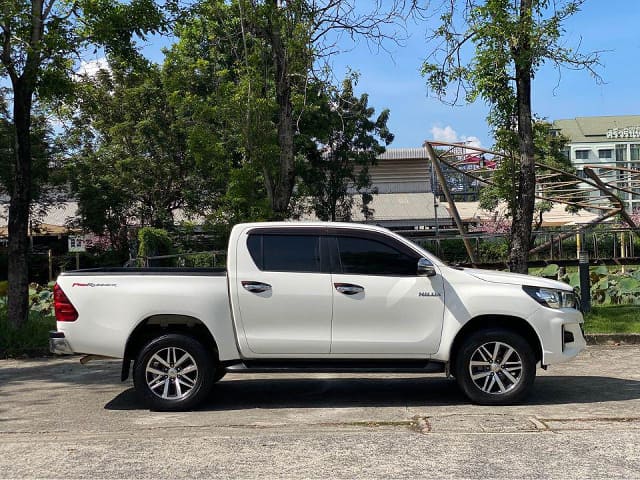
203 260
155 242
608 287
334 164
41 299
482 44
137 154
493 250
33 336
615 288
550 270
491 50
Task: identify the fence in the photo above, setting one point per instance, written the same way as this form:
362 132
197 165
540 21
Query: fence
614 245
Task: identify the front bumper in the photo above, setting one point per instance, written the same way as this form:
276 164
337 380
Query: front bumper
58 344
560 332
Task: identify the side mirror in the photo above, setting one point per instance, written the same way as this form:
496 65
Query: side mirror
426 268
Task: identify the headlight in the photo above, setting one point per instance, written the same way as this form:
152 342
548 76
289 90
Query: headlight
552 298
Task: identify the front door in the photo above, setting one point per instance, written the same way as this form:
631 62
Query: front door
380 305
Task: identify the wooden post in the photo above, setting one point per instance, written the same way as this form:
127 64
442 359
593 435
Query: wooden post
50 266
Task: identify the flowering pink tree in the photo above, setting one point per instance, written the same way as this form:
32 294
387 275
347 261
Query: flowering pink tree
498 225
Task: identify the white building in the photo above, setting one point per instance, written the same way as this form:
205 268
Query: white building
610 141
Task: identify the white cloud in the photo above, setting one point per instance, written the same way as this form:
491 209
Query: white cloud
92 67
448 134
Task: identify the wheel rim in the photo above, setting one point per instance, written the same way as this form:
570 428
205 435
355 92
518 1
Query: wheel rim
495 368
171 373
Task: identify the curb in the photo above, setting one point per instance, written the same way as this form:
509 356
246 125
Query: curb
613 338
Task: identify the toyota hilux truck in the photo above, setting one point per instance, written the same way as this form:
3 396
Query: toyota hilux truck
317 297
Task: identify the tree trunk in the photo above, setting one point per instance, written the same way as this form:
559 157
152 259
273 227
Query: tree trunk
18 275
283 184
523 213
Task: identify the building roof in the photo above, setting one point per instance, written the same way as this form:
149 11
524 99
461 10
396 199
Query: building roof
556 217
595 129
53 221
403 153
398 209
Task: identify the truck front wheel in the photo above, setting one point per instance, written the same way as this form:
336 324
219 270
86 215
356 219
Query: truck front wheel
173 372
495 367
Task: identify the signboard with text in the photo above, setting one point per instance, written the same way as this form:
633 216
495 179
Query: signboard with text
77 244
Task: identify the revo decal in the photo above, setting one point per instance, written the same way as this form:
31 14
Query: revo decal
94 285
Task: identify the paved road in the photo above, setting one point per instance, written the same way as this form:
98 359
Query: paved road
61 419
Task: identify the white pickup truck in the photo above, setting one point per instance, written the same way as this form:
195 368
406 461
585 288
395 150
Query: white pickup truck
318 297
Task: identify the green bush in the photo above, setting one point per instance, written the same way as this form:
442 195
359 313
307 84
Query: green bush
30 339
155 242
493 250
199 260
453 250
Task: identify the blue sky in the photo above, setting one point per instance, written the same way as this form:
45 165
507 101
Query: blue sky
393 81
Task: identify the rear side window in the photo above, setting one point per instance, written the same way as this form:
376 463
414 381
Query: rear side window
370 257
285 253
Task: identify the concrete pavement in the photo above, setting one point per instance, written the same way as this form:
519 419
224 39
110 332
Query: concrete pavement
61 419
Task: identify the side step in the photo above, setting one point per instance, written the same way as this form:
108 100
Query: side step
335 366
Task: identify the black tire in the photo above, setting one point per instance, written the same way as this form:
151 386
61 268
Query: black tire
174 372
490 379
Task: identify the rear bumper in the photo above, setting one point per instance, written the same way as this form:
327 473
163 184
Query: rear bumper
58 344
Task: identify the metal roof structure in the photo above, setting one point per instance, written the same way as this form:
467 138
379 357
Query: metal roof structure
552 184
403 154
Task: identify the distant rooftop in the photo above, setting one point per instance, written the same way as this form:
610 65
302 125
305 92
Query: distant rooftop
597 129
403 153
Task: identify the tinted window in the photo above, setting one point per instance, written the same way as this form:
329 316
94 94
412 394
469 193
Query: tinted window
254 244
370 257
285 253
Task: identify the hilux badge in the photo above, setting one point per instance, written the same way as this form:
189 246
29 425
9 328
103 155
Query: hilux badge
428 294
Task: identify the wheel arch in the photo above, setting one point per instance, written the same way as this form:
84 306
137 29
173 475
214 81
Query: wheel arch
507 322
161 324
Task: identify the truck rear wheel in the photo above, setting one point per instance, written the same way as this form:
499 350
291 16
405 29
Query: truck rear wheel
495 367
173 372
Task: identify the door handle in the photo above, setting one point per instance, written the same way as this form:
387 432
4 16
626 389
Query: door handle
256 287
348 288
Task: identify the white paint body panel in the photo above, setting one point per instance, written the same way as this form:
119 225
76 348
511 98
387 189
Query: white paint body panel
389 317
303 316
108 315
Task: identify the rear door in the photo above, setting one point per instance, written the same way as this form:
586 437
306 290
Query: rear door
380 305
284 291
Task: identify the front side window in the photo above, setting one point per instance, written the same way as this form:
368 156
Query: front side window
285 253
371 257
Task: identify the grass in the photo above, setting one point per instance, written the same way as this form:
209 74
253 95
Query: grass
613 319
31 339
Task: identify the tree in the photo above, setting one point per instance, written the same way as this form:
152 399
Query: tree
283 43
135 154
249 64
511 40
37 43
336 165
